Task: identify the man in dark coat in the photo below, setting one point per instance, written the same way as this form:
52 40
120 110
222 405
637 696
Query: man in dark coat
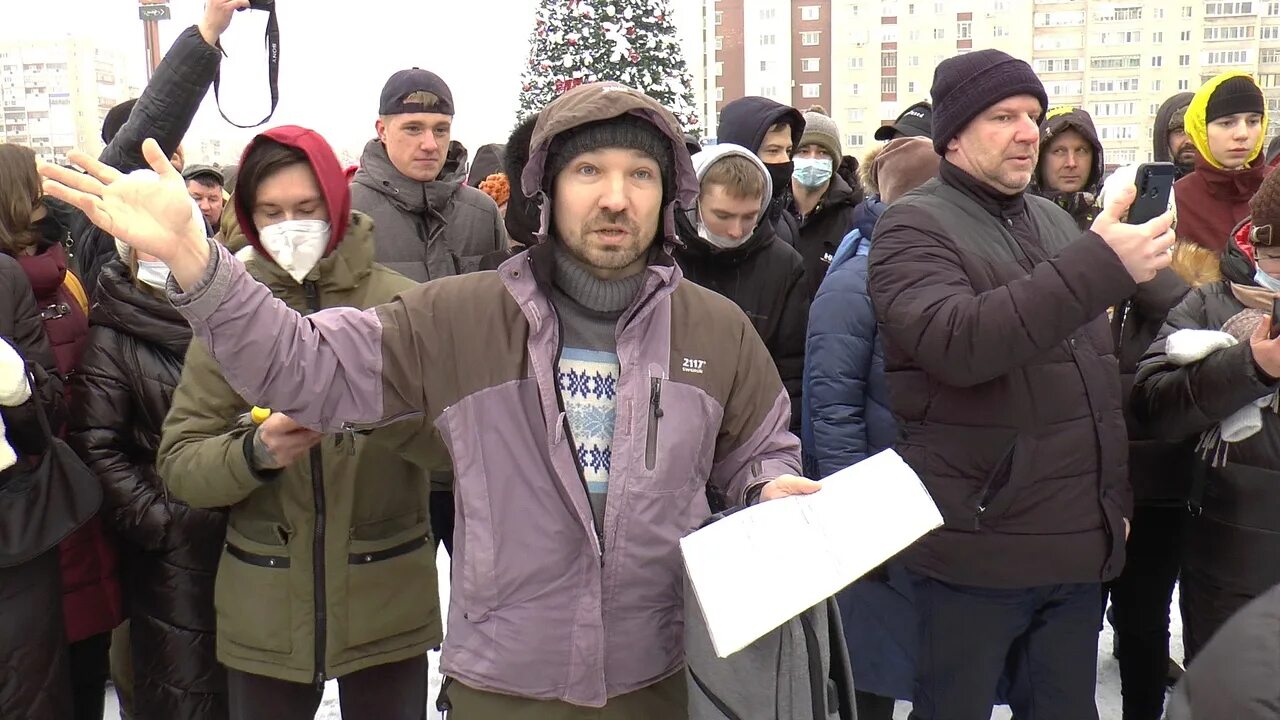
772 131
992 306
731 247
824 201
1070 168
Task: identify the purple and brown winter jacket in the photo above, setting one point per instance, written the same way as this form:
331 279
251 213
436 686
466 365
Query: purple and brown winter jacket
541 606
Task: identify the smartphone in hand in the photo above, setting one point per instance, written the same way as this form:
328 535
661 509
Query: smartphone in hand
1154 182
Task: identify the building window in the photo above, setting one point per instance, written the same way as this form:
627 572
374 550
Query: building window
1159 13
810 90
913 35
1122 156
719 17
888 59
999 31
1156 37
1184 61
1060 18
939 7
810 12
853 9
810 38
719 94
1270 55
1185 36
888 33
1125 37
888 85
1271 32
1131 12
768 39
1184 84
1155 85
1157 61
719 42
768 14
719 69
1064 88
856 115
1227 57
964 30
855 88
1229 32
1055 65
855 63
1114 109
1114 85
764 66
1115 62
856 140
1269 80
1225 9
810 65
1273 8
911 87
939 34
1186 11
914 61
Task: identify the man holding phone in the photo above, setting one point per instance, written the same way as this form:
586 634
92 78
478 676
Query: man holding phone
1001 365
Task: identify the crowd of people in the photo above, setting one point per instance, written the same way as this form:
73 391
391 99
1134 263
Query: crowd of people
244 405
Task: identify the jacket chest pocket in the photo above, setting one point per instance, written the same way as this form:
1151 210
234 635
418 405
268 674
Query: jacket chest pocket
252 594
673 429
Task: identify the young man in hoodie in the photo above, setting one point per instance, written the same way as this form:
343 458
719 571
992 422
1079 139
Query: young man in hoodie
824 201
772 131
730 246
589 399
1070 168
1169 139
1227 122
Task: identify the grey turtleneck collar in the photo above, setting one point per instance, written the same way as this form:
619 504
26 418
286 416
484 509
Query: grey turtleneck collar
575 280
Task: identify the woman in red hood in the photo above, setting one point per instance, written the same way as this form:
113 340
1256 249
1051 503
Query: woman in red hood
328 569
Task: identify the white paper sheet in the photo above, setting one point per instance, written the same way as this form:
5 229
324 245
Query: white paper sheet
762 566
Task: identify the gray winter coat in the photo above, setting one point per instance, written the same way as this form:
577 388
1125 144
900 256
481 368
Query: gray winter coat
424 231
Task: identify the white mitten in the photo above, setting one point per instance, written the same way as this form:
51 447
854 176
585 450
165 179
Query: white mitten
1241 424
1187 346
14 388
7 456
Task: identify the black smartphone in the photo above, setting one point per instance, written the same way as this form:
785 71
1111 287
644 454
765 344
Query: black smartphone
1154 182
1274 331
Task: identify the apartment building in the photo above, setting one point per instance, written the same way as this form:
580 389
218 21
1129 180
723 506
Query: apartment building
867 60
56 93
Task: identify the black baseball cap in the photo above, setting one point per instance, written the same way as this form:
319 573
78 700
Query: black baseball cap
915 121
415 91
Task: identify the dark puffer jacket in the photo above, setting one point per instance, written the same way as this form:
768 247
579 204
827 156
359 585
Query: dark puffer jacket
1080 205
1232 544
1004 380
33 665
131 366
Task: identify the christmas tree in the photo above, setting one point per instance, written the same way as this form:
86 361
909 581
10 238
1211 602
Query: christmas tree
628 41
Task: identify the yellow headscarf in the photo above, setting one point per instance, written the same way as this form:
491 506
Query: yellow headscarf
1198 127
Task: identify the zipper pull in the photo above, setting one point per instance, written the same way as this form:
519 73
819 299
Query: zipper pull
655 397
351 441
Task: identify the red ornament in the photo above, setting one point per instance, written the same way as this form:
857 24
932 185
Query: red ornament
572 41
634 57
527 87
631 31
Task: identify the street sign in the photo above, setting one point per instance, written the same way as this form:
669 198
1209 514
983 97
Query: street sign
153 12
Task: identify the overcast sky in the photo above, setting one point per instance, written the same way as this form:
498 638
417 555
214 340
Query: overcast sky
335 57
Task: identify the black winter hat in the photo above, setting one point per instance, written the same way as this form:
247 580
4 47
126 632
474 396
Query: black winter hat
1234 95
523 215
415 91
965 85
115 119
625 131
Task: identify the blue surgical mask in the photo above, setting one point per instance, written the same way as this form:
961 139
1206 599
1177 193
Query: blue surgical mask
1265 280
812 172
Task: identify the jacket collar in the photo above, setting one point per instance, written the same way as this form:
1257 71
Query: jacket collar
128 309
378 174
996 203
1231 185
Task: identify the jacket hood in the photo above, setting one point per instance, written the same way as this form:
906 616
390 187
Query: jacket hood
328 172
1060 120
1160 131
602 101
121 305
406 194
1197 126
703 161
522 218
455 163
866 170
487 162
747 120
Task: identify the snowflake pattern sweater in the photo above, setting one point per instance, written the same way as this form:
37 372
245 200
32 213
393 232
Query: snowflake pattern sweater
588 369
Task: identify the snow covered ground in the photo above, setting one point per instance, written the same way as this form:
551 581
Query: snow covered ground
1108 672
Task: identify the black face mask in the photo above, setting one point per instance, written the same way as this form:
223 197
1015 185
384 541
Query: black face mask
780 174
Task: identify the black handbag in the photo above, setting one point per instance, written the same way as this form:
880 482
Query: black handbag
44 500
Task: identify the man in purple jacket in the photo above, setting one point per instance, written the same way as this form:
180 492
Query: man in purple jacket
590 401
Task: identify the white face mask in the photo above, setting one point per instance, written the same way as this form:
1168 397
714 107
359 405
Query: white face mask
812 172
723 242
296 245
153 272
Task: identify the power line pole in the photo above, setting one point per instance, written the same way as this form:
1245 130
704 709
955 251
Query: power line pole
152 12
